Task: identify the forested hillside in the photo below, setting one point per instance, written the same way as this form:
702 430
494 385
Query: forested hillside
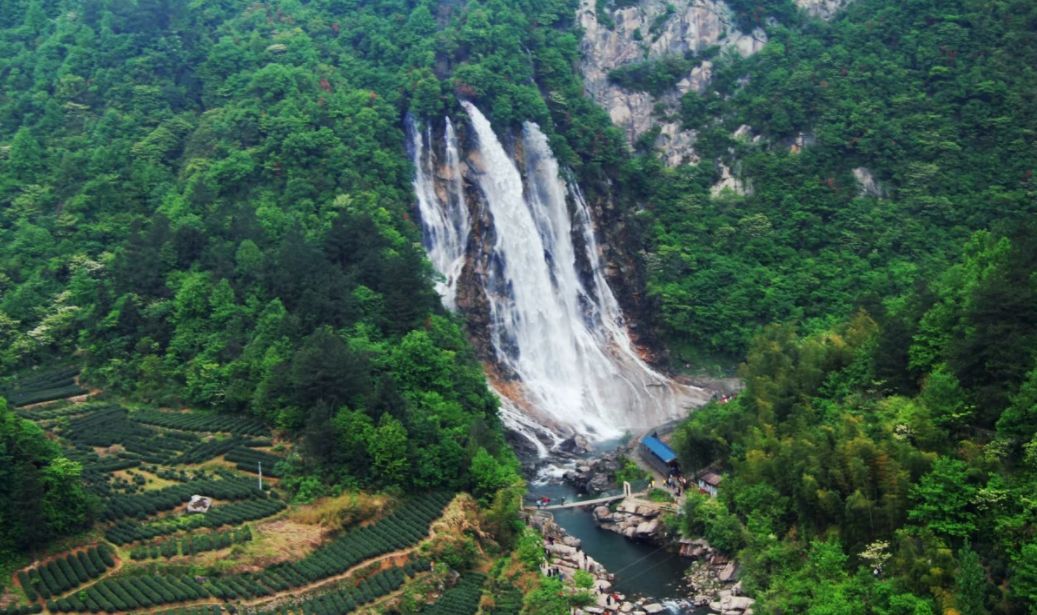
211 204
888 464
927 100
874 267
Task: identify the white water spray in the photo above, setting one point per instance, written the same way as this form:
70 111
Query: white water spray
561 335
444 220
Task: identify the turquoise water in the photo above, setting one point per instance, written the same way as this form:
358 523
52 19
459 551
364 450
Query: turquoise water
641 569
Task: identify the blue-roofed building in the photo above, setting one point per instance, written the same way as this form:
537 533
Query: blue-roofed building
658 454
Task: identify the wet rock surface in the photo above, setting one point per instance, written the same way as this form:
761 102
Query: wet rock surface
595 475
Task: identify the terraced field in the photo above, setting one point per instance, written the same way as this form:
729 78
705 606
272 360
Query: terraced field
43 385
149 554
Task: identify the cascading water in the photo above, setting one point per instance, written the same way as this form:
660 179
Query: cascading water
444 221
559 334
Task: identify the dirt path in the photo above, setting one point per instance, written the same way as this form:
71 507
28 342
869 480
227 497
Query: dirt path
400 555
288 593
302 589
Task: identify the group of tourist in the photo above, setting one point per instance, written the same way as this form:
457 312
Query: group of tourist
677 484
544 501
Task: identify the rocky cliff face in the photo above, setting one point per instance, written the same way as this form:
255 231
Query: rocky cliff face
824 9
658 29
652 30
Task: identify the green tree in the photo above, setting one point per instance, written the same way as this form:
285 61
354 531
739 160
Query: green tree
388 448
489 475
946 400
943 499
708 517
66 505
970 584
44 491
547 599
1018 422
1023 581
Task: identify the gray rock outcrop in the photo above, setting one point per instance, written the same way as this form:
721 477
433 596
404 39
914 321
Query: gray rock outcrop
595 475
657 29
868 185
823 9
650 30
636 520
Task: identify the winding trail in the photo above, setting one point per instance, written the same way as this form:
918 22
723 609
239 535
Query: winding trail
302 589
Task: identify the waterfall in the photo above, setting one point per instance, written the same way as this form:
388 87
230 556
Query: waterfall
444 221
560 334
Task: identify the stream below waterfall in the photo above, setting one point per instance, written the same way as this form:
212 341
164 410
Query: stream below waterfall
641 568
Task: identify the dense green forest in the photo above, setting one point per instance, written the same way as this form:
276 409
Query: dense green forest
932 97
42 490
888 464
208 204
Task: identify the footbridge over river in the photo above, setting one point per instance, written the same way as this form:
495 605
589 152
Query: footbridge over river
628 492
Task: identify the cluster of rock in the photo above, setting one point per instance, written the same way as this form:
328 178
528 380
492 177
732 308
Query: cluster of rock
566 557
652 30
594 475
627 33
711 580
634 519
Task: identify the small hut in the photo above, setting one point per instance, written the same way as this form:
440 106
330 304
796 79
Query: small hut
658 455
199 504
709 481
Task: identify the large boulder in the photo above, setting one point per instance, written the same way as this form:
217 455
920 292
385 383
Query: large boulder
574 445
647 510
627 506
561 550
727 573
599 482
735 605
648 528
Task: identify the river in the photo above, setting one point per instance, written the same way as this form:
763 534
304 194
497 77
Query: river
641 568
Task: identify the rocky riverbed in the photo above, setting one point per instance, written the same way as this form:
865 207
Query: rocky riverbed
566 556
712 577
634 519
595 475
